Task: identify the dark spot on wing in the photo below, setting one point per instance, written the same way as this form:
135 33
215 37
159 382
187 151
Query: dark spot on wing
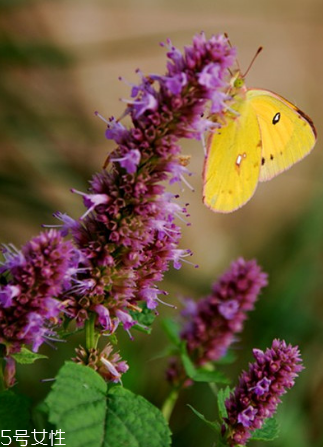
263 161
276 118
271 157
308 119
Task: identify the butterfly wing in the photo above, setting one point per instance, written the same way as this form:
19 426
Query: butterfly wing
287 134
232 164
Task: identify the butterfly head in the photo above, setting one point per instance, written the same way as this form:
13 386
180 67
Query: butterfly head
238 81
237 84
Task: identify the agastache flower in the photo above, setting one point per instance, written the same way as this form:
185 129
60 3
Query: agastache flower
35 280
107 363
258 393
212 322
111 366
130 161
128 235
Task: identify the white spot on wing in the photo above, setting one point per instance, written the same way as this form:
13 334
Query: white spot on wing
240 158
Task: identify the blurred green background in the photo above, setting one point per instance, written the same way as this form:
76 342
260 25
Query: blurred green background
60 61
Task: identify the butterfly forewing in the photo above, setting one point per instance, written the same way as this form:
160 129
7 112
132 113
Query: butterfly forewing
232 164
287 134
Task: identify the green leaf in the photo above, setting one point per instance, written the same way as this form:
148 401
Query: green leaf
134 422
145 318
202 374
172 330
187 363
268 432
80 405
223 395
77 405
215 426
40 417
25 356
14 412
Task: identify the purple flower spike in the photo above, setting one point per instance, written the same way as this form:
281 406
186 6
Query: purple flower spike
37 278
212 323
258 393
128 235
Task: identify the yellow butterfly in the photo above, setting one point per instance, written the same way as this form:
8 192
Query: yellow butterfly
264 135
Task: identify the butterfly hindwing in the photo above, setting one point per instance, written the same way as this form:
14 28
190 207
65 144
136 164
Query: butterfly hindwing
287 134
232 164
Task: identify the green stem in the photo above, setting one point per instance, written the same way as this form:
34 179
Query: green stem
169 403
91 337
214 388
2 384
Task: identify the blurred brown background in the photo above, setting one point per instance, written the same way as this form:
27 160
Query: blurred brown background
60 61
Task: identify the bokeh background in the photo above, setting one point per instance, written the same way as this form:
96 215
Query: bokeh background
60 61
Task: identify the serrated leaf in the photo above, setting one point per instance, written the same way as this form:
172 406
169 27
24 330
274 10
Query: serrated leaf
80 406
25 356
215 426
268 432
172 330
134 422
14 412
223 395
77 405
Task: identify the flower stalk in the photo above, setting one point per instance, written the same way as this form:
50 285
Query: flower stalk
91 335
170 402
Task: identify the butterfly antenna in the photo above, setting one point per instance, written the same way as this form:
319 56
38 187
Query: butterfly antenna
237 62
252 61
226 35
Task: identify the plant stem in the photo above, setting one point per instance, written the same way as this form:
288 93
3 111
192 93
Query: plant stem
91 338
214 388
169 404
